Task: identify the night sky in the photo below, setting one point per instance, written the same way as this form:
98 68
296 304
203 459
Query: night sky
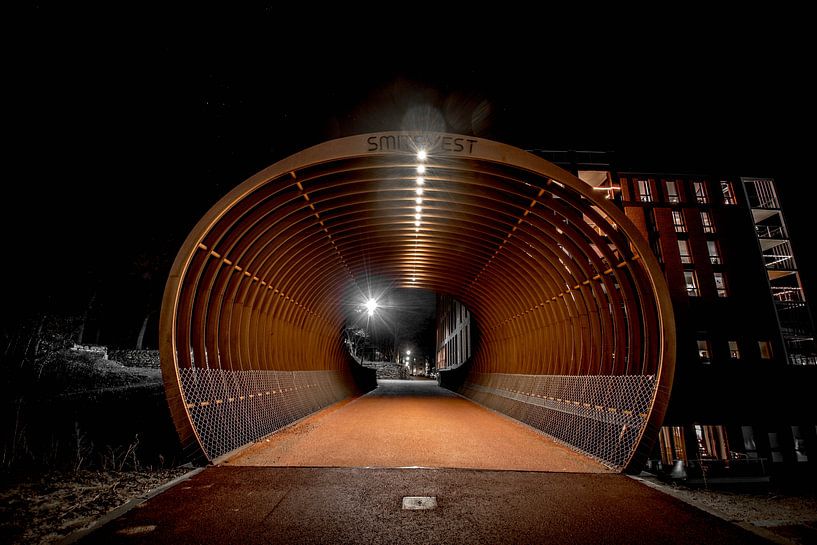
123 138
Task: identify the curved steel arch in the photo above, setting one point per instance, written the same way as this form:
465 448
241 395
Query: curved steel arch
577 330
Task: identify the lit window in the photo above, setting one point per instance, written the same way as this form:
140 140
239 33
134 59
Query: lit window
700 192
728 193
678 221
691 283
734 351
706 221
712 442
672 191
703 350
720 284
714 252
683 249
765 349
673 446
644 193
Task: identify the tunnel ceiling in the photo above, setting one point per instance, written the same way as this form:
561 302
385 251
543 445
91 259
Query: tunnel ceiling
558 279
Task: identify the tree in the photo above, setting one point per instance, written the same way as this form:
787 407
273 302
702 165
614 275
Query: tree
355 339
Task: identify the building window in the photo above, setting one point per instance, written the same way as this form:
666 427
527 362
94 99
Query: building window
749 442
799 436
712 442
683 249
706 221
714 252
700 192
672 444
734 351
672 191
703 350
774 446
678 221
655 243
649 219
644 192
692 283
720 284
765 349
728 193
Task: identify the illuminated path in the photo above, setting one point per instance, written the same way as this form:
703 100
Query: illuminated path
413 424
408 423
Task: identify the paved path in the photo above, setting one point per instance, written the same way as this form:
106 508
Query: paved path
255 505
413 424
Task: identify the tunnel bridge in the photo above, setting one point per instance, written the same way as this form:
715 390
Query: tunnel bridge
577 332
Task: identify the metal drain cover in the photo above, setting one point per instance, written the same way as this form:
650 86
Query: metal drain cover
419 502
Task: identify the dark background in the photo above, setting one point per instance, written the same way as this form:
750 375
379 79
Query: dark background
126 127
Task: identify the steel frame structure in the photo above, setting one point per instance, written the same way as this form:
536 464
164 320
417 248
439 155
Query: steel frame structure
564 288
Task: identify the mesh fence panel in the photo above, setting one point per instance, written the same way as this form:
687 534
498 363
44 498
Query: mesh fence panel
601 416
232 408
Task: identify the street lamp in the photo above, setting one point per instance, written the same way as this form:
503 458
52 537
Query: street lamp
371 306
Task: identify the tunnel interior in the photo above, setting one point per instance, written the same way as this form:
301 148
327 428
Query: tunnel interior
576 329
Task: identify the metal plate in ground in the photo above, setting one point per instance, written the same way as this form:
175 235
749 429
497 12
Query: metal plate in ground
419 502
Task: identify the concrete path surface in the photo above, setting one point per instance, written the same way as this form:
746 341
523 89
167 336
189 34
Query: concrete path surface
254 505
413 424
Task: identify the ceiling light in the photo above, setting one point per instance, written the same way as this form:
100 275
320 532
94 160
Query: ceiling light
371 305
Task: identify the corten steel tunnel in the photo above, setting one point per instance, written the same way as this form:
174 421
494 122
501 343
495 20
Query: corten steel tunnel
577 332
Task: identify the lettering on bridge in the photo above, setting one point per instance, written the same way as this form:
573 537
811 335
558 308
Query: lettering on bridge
432 143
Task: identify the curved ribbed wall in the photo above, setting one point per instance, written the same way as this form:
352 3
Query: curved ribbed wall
566 292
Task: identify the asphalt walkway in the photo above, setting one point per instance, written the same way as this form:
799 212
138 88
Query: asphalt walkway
358 462
413 424
255 505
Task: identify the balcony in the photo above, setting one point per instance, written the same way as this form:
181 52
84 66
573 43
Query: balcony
771 232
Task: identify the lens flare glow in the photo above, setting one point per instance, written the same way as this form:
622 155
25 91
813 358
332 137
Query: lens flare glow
422 155
371 306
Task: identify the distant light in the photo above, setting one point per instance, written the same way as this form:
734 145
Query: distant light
417 229
418 208
421 169
419 200
419 190
413 279
422 155
371 305
408 352
417 224
420 180
418 216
